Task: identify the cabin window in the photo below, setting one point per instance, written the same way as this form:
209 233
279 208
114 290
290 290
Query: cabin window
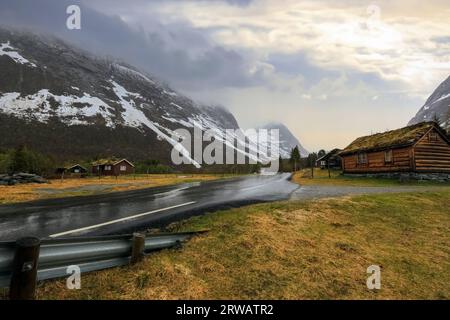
323 163
433 137
123 168
388 156
107 168
77 170
362 158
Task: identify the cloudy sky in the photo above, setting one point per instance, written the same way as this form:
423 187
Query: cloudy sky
330 72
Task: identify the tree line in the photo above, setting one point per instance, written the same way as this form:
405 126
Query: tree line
297 162
22 159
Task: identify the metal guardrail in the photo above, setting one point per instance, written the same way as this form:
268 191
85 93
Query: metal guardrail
90 254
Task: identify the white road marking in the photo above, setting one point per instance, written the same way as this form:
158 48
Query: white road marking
119 220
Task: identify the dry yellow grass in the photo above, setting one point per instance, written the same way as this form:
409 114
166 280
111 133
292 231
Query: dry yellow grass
294 250
76 187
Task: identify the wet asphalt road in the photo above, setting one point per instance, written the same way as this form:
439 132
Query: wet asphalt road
125 212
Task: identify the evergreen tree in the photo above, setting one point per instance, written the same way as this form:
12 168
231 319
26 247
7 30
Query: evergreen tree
295 157
20 161
25 160
5 162
256 168
321 153
312 157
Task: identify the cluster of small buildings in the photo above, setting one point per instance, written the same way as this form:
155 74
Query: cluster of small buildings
422 148
102 167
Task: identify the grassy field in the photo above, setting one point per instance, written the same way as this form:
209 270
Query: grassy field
294 250
94 185
321 177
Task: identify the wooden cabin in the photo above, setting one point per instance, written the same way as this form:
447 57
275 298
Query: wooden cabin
112 167
76 169
330 160
420 148
71 170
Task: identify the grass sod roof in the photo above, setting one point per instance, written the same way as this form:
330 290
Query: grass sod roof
70 166
329 154
106 161
402 137
110 161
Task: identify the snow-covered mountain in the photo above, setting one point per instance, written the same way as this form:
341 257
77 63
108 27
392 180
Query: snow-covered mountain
436 106
287 140
66 102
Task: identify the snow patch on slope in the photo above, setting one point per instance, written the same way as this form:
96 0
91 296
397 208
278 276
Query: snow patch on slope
71 109
445 96
7 50
132 116
176 106
135 117
241 138
184 123
133 73
170 93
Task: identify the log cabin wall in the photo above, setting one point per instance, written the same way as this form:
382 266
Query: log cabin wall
401 162
432 153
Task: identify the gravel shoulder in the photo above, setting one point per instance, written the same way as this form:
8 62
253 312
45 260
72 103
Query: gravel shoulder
318 192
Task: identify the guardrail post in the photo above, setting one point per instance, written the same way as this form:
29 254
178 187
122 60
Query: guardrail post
177 245
24 273
138 248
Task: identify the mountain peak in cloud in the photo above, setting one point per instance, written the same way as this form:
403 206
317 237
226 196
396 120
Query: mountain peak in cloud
436 106
287 139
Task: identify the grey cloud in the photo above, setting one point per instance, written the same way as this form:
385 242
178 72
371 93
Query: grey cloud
445 40
239 2
175 52
298 64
